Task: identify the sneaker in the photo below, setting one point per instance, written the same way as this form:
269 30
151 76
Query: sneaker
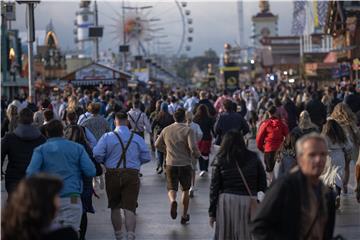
185 219
202 173
120 235
191 192
130 236
173 210
160 170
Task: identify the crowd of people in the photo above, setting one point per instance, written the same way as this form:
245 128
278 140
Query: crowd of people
54 152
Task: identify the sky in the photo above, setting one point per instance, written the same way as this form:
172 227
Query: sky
214 22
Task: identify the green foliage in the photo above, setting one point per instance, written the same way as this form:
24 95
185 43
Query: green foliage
185 66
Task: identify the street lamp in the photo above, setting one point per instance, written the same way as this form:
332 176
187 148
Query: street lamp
31 38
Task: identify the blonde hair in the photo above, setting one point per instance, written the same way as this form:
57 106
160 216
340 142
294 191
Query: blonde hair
11 112
305 121
72 104
343 114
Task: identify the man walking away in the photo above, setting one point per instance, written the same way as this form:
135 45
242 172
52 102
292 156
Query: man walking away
18 146
138 120
229 120
178 140
123 152
69 161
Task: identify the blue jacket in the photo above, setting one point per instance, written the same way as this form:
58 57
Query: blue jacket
65 159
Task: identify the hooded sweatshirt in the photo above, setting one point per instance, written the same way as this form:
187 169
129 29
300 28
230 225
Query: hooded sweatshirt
271 134
18 146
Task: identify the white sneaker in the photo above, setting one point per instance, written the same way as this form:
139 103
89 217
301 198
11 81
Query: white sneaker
130 236
120 235
202 173
191 192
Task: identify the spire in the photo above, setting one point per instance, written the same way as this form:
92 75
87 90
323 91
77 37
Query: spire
50 27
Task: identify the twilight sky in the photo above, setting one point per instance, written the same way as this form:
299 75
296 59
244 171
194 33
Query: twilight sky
215 22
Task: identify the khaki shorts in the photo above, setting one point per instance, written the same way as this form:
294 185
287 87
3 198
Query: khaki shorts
176 174
122 188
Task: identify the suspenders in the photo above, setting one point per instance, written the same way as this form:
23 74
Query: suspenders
124 149
136 128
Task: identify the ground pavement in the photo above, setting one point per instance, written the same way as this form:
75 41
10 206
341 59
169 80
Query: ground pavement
154 221
153 214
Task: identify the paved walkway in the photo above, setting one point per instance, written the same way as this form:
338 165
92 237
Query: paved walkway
154 222
153 214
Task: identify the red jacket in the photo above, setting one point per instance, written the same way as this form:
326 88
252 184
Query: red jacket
271 134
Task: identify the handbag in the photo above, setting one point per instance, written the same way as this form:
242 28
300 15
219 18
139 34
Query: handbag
253 201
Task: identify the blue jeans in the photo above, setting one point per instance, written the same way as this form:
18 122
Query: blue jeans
204 164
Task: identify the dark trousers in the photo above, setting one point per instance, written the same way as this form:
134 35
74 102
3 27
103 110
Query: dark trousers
160 158
83 226
204 164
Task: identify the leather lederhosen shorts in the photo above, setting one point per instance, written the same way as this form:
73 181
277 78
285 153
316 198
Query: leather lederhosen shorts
122 188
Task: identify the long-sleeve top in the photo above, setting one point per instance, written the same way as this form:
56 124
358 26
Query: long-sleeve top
65 159
139 121
178 140
18 147
90 137
228 121
108 150
83 117
271 134
173 107
190 103
97 125
219 107
226 178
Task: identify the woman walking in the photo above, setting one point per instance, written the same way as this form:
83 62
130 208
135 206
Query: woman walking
339 148
76 133
305 125
343 115
206 123
11 120
238 175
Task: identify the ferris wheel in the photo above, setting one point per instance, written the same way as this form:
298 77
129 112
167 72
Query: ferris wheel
164 28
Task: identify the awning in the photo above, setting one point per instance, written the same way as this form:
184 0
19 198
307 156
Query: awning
91 82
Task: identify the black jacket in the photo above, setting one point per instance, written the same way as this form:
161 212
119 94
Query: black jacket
279 215
161 121
227 179
292 114
228 121
18 147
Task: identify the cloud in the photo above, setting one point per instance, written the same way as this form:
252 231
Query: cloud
214 22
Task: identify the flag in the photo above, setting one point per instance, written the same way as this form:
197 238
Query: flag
231 78
299 18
